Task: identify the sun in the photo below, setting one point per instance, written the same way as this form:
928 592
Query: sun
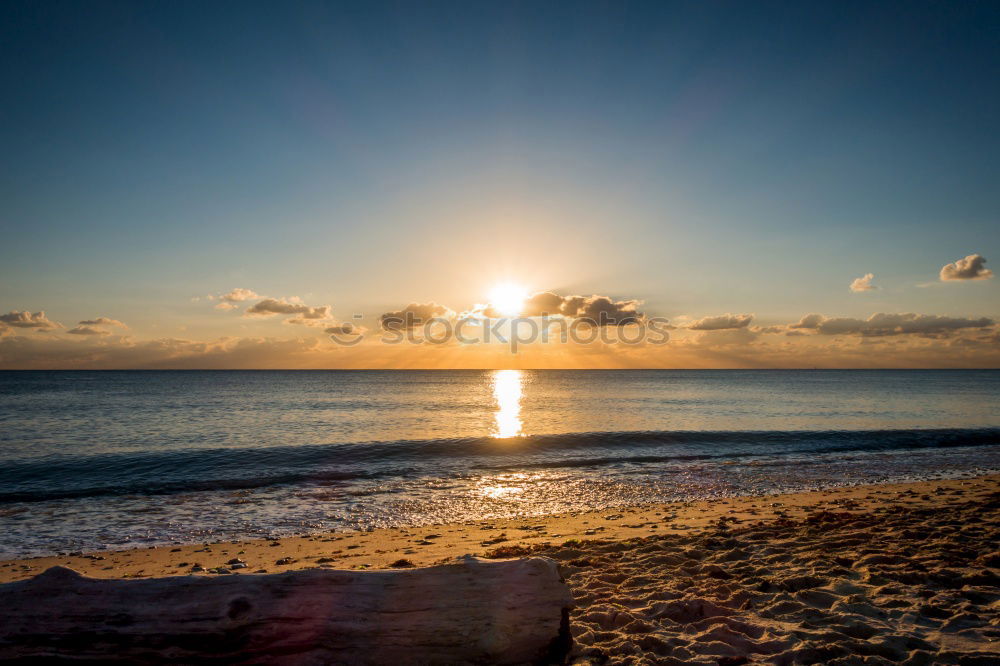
508 298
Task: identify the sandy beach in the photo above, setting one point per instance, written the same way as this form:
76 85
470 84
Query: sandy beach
895 573
500 333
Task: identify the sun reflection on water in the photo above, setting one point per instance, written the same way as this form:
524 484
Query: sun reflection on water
506 487
507 393
502 492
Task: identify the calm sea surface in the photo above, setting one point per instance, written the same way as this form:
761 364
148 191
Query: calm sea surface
94 460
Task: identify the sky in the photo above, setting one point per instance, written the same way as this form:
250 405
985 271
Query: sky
736 163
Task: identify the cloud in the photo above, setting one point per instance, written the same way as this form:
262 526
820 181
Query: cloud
721 322
730 348
40 352
232 299
87 330
546 303
809 321
273 306
102 321
346 329
882 324
343 329
315 322
18 319
863 283
414 315
90 326
604 310
719 337
970 268
600 310
238 295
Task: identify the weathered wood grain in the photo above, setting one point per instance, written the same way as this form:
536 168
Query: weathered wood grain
473 611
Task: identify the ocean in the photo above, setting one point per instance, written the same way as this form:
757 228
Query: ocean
95 460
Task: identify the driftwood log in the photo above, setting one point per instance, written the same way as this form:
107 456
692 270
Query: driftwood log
473 611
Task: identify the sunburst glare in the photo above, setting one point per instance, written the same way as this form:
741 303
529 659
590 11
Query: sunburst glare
508 298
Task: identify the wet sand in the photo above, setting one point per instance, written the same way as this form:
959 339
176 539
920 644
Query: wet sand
895 573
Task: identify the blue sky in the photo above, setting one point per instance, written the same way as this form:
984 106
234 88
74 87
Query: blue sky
701 157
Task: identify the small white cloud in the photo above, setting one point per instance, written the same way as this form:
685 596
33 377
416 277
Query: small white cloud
970 268
103 321
344 329
238 295
293 306
863 283
25 319
721 322
87 330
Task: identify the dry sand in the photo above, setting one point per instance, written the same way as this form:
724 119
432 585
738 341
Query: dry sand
900 573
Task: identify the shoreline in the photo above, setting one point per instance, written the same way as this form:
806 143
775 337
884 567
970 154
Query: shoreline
901 573
425 545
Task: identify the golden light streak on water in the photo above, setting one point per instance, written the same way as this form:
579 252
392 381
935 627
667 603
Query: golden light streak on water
507 393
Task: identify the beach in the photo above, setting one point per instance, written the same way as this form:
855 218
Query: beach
891 573
500 333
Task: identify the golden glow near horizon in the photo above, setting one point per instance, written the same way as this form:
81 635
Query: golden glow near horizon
508 298
507 393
